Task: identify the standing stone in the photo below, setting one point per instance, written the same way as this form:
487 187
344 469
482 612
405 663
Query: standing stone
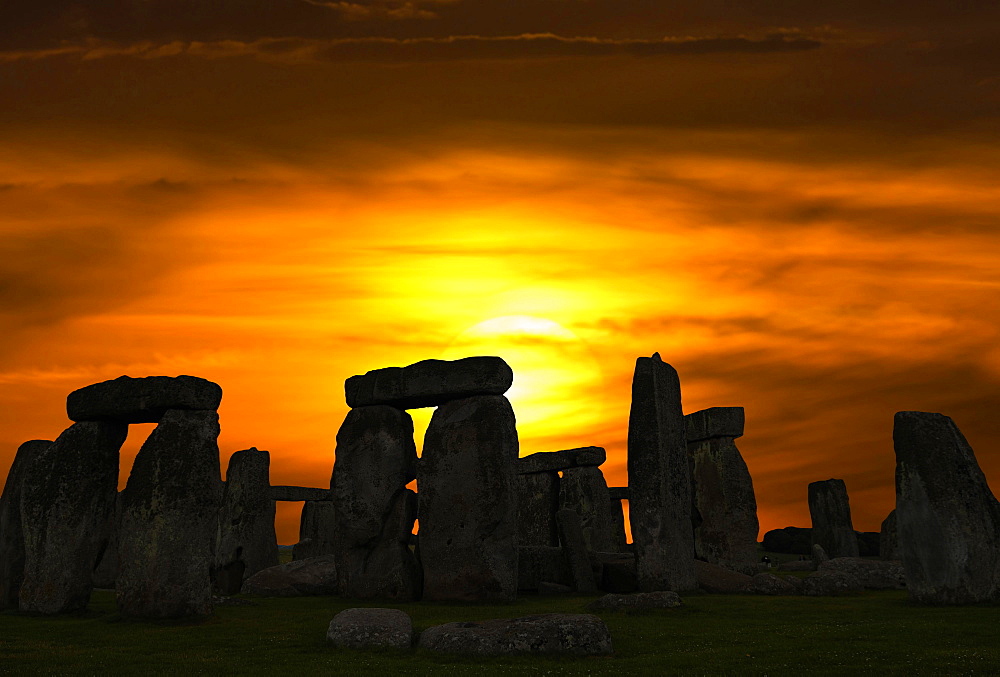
659 480
429 383
468 501
11 535
947 518
374 511
831 518
586 491
618 525
574 549
170 509
141 400
67 497
106 572
888 542
316 529
538 501
245 541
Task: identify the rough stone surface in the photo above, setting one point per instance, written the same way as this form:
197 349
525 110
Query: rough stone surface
429 383
639 602
585 490
538 501
888 543
714 578
659 479
616 571
287 493
547 588
316 529
870 573
67 497
11 535
789 541
305 577
468 501
868 543
553 461
830 583
770 584
568 634
141 400
170 508
800 565
574 549
245 541
831 518
106 572
618 493
819 554
539 563
724 498
371 629
947 518
374 511
714 422
620 538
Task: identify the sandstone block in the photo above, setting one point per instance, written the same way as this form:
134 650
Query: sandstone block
714 422
141 400
306 577
429 383
585 490
538 501
553 461
316 528
11 534
831 518
888 543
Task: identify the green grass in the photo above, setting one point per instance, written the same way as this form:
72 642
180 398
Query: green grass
874 633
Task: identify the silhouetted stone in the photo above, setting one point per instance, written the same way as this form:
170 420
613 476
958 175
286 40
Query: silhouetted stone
11 535
67 497
468 501
659 479
374 513
569 634
574 550
831 518
870 573
538 501
141 400
798 565
585 491
888 545
714 422
106 571
947 518
316 528
371 629
618 525
789 541
170 509
616 571
770 584
713 578
640 602
830 583
819 554
618 493
539 563
245 541
306 577
549 461
429 383
287 493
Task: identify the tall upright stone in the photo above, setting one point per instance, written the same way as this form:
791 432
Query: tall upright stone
468 501
659 480
374 511
888 539
170 509
245 541
538 501
11 534
106 571
618 520
947 518
585 490
317 525
830 510
67 498
723 490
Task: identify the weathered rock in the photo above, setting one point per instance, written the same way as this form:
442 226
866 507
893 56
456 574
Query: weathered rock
553 461
659 479
789 541
618 525
831 518
616 571
287 493
569 634
714 422
724 497
888 544
429 383
586 491
316 528
170 508
639 602
141 400
947 518
11 535
819 554
67 498
547 588
374 511
371 629
770 584
538 501
870 573
106 572
717 579
539 563
305 577
468 501
830 584
245 541
574 549
618 493
868 543
799 565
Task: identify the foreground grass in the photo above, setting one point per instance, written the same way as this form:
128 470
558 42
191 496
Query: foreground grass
712 634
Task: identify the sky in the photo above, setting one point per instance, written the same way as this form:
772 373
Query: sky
794 203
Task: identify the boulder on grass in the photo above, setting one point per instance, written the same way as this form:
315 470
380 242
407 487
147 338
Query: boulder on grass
769 584
830 583
560 634
371 629
713 578
873 574
304 577
638 602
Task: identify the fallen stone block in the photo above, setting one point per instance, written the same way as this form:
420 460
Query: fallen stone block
770 584
371 628
830 584
639 602
305 577
873 574
552 634
717 579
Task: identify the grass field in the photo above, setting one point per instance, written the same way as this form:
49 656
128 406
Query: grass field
874 633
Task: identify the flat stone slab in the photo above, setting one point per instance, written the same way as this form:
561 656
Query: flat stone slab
288 493
548 461
429 383
830 584
714 578
141 400
770 584
565 634
638 602
714 422
313 576
371 629
873 574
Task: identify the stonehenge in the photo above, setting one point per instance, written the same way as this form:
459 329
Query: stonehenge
831 518
11 531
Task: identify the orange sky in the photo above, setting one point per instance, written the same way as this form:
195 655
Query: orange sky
798 209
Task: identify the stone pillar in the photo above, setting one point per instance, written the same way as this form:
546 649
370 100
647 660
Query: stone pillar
373 510
947 518
468 501
618 520
316 529
11 534
659 480
831 519
888 541
585 491
538 501
106 572
245 541
68 496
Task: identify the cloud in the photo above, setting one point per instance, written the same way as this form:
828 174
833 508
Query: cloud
381 9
